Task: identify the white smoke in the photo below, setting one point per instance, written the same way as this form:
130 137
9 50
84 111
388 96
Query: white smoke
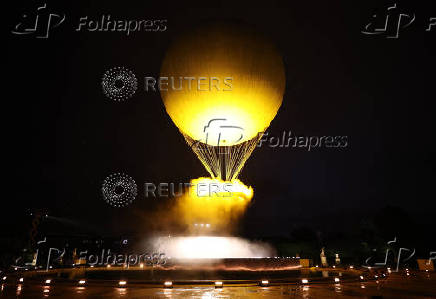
210 247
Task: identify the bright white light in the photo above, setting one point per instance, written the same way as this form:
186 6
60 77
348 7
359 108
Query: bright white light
108 266
218 284
168 283
361 277
264 282
21 279
334 266
4 277
305 281
122 283
211 247
48 281
351 267
82 281
141 265
337 279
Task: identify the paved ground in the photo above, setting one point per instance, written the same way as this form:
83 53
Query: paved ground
396 286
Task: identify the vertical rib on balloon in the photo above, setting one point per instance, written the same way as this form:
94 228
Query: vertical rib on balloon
223 162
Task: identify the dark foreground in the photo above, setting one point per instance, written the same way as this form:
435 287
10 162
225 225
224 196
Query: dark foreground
419 285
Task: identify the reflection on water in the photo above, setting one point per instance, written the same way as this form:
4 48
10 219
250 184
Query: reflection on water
122 291
344 289
79 290
19 289
46 291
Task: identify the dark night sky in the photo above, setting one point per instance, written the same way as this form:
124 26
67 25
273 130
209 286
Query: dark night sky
63 136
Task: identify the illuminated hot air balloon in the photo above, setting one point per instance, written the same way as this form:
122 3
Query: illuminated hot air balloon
223 87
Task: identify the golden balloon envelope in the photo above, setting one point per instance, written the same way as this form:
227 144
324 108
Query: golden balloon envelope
212 55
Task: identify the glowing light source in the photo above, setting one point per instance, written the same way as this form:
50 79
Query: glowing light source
361 277
122 283
304 280
168 284
82 282
351 267
256 93
211 247
21 279
47 281
264 282
141 265
218 201
218 284
4 277
337 279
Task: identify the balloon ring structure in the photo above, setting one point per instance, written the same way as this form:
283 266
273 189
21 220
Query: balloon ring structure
119 190
119 83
